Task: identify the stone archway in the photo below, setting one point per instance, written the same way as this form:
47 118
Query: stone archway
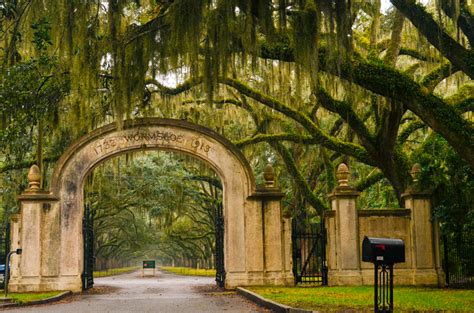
48 228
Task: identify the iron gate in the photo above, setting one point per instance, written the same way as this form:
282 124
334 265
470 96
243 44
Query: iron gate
458 259
4 248
309 252
88 239
4 243
219 254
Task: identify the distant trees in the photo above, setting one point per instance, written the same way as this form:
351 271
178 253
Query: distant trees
154 205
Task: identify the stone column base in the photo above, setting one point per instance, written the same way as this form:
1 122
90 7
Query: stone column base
43 284
279 279
345 278
429 277
234 280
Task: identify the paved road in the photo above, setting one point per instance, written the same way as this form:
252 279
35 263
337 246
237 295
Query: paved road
163 293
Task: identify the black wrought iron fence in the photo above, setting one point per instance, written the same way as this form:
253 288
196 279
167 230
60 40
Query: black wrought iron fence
219 253
4 249
88 243
458 259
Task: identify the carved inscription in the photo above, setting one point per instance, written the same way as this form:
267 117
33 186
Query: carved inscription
105 145
154 136
109 144
199 144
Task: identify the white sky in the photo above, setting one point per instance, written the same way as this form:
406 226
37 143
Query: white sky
386 5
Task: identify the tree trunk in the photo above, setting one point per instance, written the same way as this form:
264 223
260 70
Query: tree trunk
39 152
395 42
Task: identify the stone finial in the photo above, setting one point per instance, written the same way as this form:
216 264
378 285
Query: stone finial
415 172
342 175
34 177
269 175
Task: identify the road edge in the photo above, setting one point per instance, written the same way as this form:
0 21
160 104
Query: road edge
268 304
58 297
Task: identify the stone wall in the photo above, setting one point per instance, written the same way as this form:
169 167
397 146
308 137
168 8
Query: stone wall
346 227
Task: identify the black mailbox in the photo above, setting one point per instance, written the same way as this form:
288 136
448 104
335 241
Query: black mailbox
383 250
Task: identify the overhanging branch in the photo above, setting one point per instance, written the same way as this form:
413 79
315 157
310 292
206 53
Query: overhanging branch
316 133
302 184
345 111
187 85
436 76
450 48
388 82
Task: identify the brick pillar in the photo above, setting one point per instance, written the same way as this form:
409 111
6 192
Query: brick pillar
343 239
424 229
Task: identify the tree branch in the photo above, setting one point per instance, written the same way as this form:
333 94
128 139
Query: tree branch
211 180
408 130
415 54
369 181
465 20
345 111
216 101
437 114
396 38
331 143
302 184
156 23
466 105
187 85
26 164
390 83
450 48
436 76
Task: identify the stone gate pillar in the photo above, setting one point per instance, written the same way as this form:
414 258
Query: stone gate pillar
275 233
424 234
343 238
27 233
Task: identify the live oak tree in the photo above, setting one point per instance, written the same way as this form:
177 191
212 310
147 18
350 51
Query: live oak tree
319 81
154 205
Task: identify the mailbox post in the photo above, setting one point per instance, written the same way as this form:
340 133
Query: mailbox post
383 252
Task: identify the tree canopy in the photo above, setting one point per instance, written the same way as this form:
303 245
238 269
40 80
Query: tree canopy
154 205
305 84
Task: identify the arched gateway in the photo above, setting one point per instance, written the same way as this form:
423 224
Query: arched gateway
49 226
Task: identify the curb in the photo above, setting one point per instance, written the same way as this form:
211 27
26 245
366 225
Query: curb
60 296
269 304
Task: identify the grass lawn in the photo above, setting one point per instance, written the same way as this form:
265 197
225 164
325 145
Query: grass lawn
361 297
189 271
28 297
115 271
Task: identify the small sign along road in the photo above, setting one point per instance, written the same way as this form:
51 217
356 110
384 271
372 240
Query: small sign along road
149 268
149 264
163 293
